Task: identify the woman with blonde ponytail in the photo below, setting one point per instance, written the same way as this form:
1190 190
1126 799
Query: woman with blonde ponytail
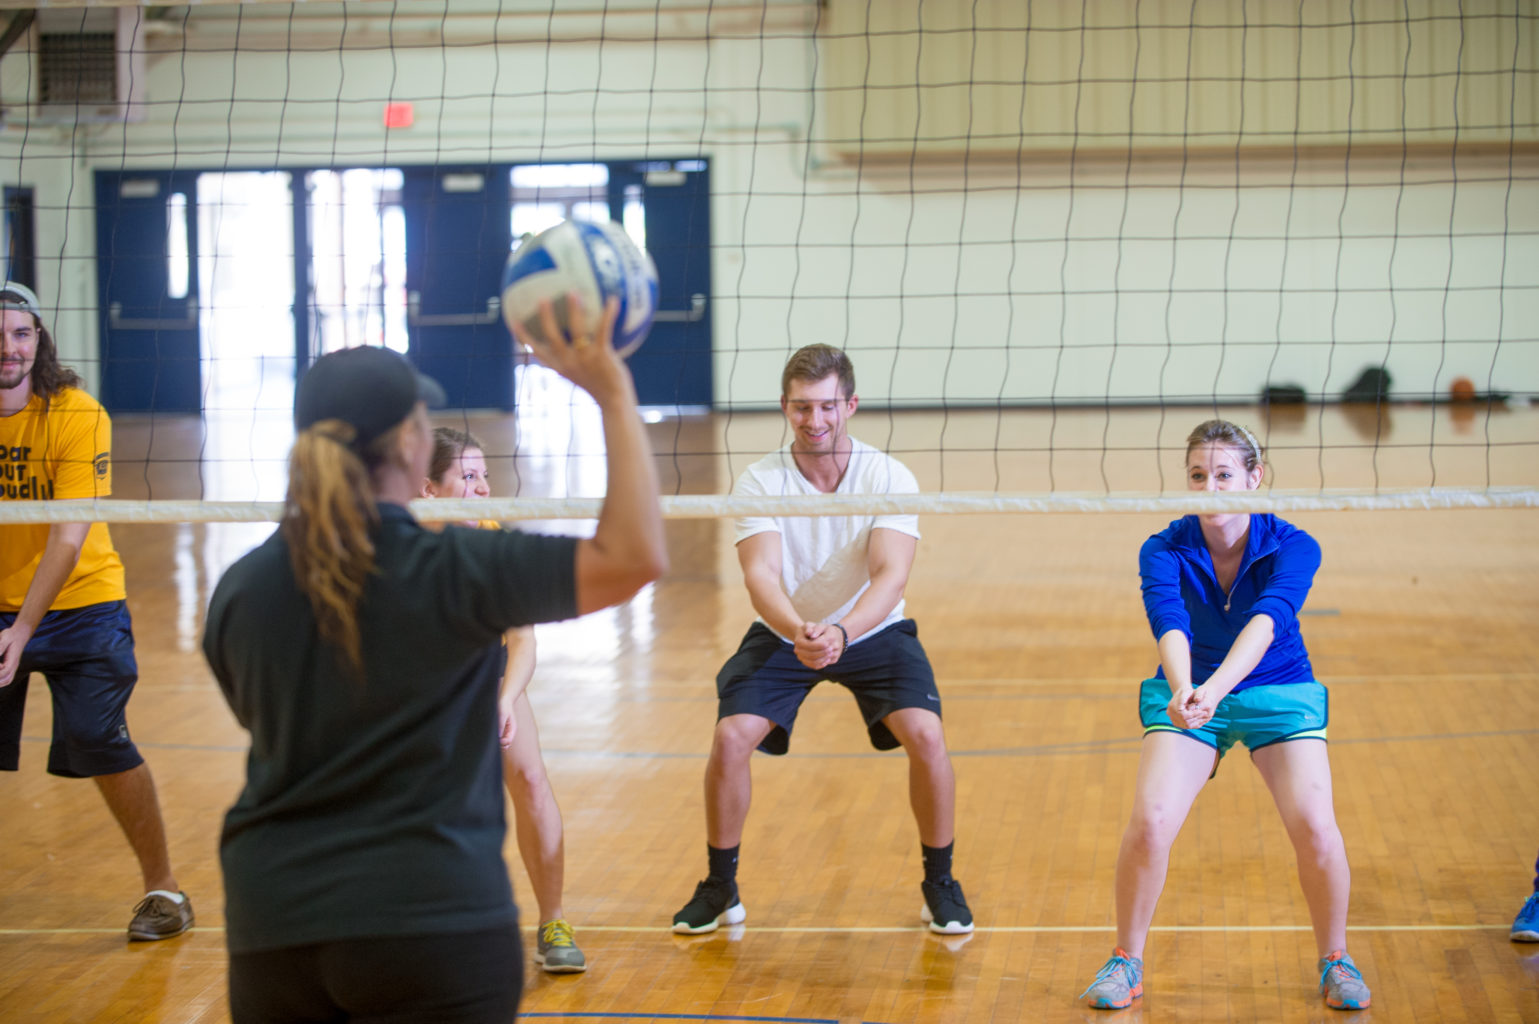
327 517
363 863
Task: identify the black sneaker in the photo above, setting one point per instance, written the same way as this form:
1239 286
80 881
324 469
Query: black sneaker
160 917
945 908
715 903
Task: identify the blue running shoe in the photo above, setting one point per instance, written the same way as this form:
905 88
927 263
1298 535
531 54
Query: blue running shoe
1119 983
1343 983
1525 927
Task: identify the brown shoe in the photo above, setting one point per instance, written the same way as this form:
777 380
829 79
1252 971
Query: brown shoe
160 917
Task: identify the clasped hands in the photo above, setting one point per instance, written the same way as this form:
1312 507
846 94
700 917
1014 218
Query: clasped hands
818 644
1193 707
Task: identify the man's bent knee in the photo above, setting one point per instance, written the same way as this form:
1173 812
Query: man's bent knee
920 732
737 736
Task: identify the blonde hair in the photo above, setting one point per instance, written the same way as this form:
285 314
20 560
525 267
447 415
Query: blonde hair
1230 435
328 514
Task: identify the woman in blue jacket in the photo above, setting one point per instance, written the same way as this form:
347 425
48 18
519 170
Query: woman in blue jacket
1223 593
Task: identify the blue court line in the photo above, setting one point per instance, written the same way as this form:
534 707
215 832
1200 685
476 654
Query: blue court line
1123 744
1129 693
614 1015
1041 750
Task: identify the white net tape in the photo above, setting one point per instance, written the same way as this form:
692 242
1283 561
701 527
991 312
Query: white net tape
708 506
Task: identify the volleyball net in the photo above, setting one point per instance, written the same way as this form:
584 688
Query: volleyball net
1052 236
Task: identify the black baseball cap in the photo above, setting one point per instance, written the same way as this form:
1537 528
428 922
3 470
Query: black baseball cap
369 388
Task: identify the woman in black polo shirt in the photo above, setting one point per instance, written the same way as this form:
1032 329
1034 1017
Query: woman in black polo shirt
363 860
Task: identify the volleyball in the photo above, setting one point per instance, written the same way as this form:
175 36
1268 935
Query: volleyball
591 260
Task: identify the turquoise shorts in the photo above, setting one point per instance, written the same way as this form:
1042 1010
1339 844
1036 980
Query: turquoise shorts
1257 717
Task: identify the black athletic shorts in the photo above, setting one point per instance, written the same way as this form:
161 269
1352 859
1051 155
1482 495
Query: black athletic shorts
87 656
460 977
886 672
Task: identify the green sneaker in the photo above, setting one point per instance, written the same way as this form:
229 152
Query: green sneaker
556 949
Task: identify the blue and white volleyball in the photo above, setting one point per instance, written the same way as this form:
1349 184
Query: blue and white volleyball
593 261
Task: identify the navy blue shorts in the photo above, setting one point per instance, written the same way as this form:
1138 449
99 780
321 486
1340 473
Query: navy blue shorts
886 672
87 656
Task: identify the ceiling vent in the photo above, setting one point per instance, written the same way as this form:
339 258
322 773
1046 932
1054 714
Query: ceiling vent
90 65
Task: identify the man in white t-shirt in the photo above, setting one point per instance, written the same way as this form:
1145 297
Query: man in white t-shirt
829 593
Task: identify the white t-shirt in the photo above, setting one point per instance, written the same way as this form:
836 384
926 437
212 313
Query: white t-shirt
823 561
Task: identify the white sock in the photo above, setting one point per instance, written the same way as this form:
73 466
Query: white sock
174 897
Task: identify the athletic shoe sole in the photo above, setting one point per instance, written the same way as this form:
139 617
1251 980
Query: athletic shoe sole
949 928
734 914
559 968
146 936
1106 1004
1344 1005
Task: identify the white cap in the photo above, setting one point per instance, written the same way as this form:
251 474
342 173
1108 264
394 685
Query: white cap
19 296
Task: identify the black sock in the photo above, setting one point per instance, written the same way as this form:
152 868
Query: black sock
723 862
937 862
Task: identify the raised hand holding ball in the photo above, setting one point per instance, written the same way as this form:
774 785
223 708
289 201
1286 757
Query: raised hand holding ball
581 350
594 263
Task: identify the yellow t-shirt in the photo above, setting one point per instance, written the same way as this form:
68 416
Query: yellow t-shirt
61 451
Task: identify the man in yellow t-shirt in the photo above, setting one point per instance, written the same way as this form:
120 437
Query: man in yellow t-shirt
63 607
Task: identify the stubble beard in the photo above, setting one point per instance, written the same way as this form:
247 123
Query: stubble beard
13 376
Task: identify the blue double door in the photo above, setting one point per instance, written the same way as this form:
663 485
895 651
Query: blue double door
458 233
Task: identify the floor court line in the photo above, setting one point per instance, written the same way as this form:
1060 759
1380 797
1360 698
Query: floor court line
1046 929
621 1015
1071 683
1121 744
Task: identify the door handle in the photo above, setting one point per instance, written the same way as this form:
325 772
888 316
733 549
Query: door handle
117 321
415 318
695 312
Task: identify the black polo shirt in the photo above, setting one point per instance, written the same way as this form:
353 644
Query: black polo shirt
374 807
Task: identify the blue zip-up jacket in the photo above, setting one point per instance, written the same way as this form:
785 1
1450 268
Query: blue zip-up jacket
1181 591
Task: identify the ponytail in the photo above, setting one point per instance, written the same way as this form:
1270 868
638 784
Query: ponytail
327 518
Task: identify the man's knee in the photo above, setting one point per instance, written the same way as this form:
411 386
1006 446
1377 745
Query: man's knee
737 736
921 733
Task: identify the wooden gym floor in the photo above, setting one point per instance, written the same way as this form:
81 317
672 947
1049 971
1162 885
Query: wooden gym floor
1423 624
